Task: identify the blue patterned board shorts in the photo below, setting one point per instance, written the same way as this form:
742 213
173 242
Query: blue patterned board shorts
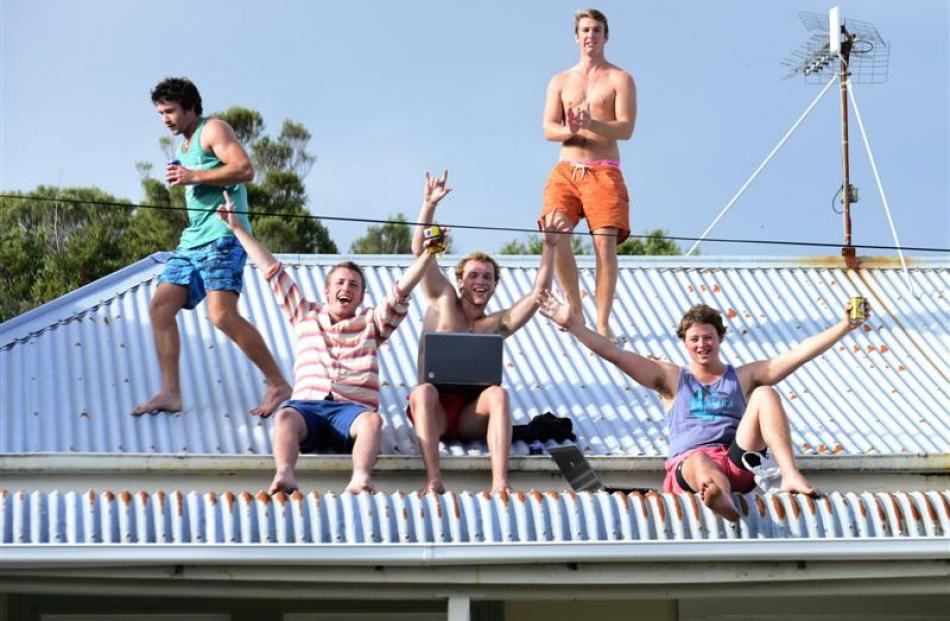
215 266
328 423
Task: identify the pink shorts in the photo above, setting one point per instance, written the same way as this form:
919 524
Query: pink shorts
741 480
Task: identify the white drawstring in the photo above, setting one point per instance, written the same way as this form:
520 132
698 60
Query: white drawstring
575 166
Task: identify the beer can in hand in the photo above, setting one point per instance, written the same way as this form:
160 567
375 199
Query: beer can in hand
174 162
859 309
434 233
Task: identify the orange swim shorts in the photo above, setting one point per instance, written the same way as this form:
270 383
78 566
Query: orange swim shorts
593 190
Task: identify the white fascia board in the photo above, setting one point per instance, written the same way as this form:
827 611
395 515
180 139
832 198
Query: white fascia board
775 550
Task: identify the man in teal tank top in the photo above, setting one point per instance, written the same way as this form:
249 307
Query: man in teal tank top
209 261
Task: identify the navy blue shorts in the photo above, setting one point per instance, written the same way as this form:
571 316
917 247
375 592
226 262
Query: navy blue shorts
215 266
328 423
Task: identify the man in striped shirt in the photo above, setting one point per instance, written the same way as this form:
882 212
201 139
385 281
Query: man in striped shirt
336 387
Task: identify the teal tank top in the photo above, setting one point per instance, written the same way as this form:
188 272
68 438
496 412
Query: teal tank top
202 200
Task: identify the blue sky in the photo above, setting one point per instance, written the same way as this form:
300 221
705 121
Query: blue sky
391 89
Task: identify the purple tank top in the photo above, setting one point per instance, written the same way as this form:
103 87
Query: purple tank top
704 415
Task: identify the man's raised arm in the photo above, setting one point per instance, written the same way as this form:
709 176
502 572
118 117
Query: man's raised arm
434 282
288 294
658 376
772 371
390 314
513 318
256 251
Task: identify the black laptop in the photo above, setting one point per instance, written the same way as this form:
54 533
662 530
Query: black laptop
579 473
462 362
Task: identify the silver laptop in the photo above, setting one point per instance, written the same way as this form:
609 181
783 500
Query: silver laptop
579 473
575 468
459 361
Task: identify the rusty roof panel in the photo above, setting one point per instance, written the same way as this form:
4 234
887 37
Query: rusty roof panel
69 517
73 369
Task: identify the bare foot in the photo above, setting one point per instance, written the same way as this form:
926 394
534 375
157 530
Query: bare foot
162 402
359 484
504 486
432 487
275 395
284 481
795 483
719 502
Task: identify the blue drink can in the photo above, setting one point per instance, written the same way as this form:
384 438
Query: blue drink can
174 162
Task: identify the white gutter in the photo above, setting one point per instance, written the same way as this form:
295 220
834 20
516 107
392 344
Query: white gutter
106 555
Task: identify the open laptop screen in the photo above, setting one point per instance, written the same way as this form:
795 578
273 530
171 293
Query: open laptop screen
575 468
460 361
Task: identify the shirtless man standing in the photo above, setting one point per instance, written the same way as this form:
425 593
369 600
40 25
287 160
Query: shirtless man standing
589 108
439 414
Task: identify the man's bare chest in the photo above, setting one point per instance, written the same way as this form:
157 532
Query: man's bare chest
601 96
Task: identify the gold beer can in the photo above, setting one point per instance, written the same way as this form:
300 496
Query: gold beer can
859 309
434 232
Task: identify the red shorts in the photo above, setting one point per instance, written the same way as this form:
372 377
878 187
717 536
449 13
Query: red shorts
594 191
452 403
740 479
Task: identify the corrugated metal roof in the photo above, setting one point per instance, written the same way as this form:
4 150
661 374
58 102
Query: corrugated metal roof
160 517
72 370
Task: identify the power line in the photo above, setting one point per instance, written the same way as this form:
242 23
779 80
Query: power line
474 227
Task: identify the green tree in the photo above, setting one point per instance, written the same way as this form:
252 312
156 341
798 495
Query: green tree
655 243
533 245
389 238
281 164
49 248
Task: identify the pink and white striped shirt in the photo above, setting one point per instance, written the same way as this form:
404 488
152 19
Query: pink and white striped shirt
336 358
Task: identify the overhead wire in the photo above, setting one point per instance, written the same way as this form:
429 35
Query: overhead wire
473 227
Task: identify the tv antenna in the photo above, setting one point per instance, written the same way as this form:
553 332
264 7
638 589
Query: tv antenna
843 51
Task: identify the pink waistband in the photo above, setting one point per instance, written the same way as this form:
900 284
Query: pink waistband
607 163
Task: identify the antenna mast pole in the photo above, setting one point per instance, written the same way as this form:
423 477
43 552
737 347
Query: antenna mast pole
843 40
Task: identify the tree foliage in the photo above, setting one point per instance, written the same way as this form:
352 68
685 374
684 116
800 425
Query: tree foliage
280 164
534 244
389 238
654 243
49 248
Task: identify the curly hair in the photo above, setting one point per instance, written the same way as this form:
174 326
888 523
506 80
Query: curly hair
701 314
179 90
478 255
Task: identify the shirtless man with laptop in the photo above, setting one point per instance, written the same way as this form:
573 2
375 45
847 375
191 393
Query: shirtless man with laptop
466 416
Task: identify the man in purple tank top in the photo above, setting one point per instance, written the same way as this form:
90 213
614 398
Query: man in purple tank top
717 413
